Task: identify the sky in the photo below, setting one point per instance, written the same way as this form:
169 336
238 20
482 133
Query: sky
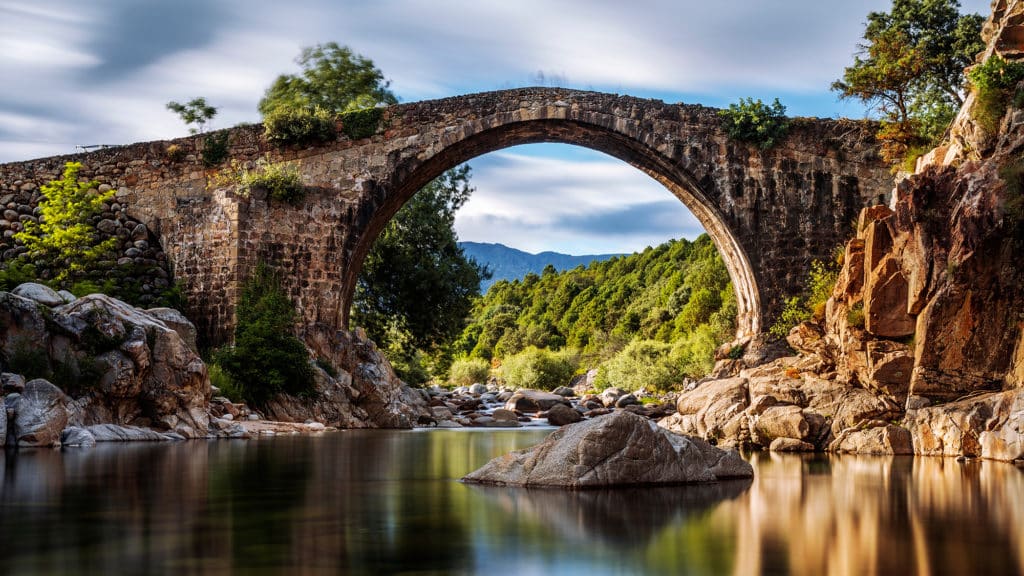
101 72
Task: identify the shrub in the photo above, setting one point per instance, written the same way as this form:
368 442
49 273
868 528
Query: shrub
215 148
266 358
466 371
223 382
755 122
993 81
281 181
537 368
811 305
641 364
175 153
360 124
285 125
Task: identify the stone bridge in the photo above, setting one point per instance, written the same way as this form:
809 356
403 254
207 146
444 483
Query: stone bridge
769 212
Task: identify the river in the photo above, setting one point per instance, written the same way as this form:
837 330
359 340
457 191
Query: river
388 502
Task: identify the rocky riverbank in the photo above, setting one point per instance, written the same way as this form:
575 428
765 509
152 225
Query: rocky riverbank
76 371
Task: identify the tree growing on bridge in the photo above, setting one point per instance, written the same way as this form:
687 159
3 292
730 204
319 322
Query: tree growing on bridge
333 78
195 111
910 68
65 236
416 288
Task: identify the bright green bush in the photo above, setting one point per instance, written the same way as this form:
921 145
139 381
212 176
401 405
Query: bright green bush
266 358
284 125
466 371
755 122
537 368
821 279
641 364
216 148
223 382
281 181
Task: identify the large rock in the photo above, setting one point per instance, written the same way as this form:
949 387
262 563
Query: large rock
3 423
40 414
883 440
533 401
177 321
713 410
786 421
560 415
38 292
987 425
618 449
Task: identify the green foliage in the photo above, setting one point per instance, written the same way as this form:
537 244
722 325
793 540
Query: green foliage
281 181
215 148
325 365
910 69
676 294
175 153
359 124
994 81
539 369
416 279
855 315
755 122
16 272
28 359
298 125
466 371
266 358
223 382
65 235
821 279
333 79
195 111
641 364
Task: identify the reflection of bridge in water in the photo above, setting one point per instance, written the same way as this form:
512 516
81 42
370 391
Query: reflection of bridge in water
769 212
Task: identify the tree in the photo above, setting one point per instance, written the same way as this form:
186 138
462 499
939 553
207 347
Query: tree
333 78
195 111
416 278
267 357
65 235
910 69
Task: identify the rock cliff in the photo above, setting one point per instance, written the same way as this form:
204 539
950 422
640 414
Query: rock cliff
922 346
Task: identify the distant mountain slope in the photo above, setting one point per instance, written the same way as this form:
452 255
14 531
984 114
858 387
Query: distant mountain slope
510 264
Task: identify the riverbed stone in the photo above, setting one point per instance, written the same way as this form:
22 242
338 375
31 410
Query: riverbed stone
76 436
532 401
790 445
561 415
40 414
618 449
882 440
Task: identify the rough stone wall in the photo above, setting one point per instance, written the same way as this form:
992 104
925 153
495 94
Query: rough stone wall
138 251
770 212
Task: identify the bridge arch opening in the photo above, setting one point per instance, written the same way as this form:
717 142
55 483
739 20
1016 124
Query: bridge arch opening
411 176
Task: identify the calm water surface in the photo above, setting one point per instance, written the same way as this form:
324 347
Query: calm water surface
388 503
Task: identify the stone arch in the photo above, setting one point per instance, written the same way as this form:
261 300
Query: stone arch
624 141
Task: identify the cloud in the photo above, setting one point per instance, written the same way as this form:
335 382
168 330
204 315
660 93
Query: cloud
571 200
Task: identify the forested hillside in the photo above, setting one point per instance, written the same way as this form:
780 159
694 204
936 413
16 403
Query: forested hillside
650 318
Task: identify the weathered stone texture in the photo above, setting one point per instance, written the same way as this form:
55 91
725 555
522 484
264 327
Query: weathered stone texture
770 212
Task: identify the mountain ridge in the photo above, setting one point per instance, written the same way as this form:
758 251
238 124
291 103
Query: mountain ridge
507 263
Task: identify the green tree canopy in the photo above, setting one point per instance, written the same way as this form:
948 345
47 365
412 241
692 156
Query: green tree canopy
910 68
333 78
195 111
416 277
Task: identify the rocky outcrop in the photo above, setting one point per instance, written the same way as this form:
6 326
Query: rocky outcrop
363 392
533 401
115 363
619 449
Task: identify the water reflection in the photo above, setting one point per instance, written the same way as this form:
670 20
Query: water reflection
389 502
